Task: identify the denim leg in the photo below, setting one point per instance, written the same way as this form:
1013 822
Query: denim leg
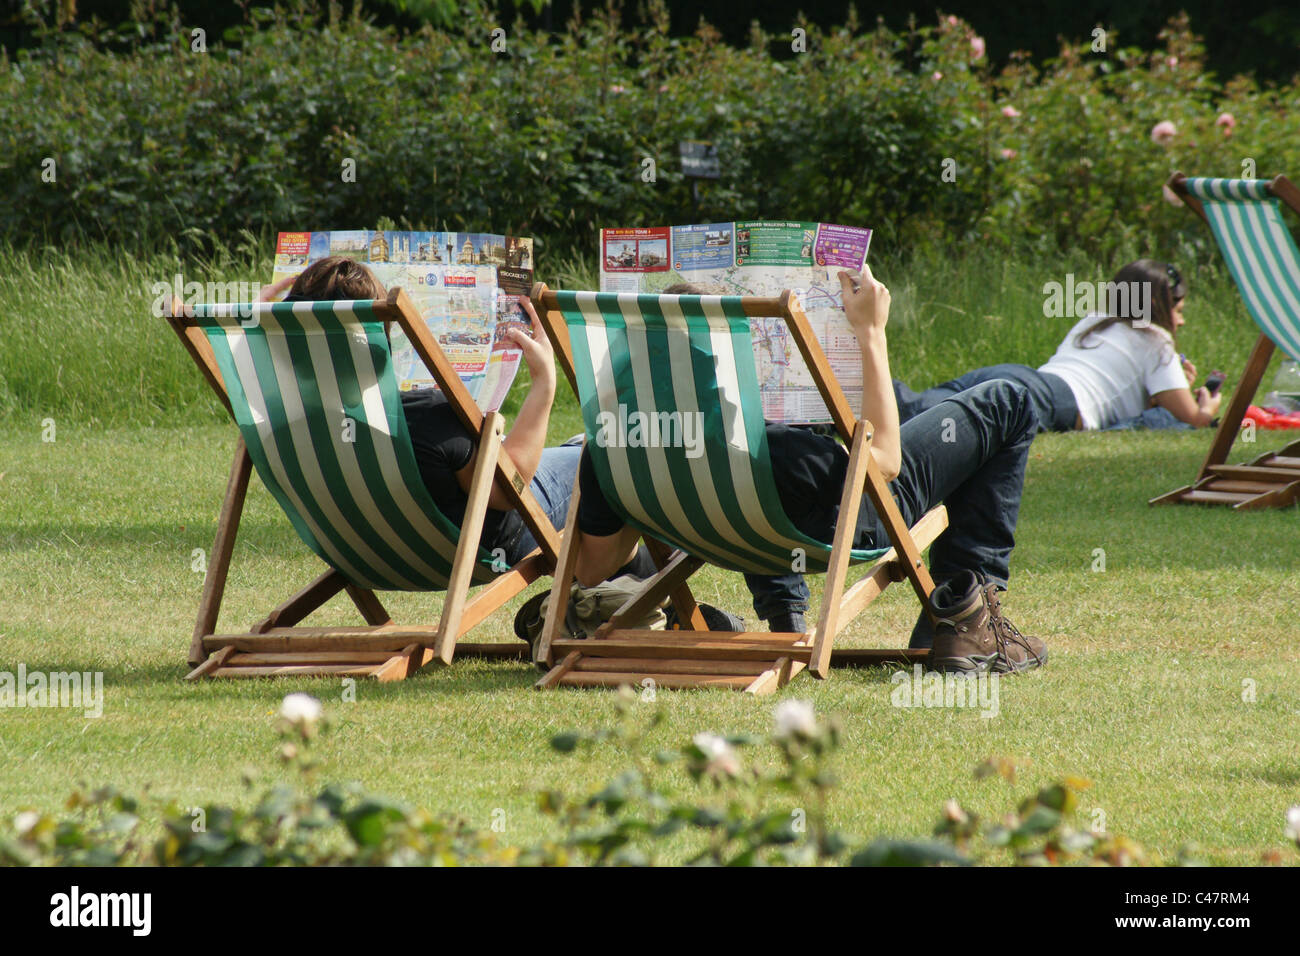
552 486
1046 398
969 452
911 404
778 594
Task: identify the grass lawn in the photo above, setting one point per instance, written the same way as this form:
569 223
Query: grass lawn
1143 694
1173 682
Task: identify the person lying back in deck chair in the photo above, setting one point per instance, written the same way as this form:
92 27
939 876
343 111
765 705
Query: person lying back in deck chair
443 448
968 452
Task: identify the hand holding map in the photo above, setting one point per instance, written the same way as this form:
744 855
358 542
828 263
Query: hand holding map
757 258
467 287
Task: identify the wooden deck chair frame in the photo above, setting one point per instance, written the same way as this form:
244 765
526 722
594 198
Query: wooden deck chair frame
1271 480
382 649
757 662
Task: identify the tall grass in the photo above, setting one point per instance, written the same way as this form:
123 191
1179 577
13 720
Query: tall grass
79 342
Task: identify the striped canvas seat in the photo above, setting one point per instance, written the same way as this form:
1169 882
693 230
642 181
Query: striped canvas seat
674 424
1247 223
312 389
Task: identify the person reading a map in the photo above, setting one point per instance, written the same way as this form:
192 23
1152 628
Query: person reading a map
444 449
1111 367
968 451
780 600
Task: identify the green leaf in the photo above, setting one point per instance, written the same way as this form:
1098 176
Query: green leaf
883 852
369 822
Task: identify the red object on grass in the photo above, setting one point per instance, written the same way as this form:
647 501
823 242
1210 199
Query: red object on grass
1263 418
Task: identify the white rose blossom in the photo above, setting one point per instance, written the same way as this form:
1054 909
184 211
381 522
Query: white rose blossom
721 755
301 710
795 718
1293 823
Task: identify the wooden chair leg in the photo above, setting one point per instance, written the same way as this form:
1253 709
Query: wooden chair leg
491 596
1226 434
1230 422
846 527
653 592
294 609
462 568
223 546
900 537
561 583
688 611
371 608
212 663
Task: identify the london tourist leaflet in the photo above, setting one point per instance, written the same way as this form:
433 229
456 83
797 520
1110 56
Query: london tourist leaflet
757 258
466 285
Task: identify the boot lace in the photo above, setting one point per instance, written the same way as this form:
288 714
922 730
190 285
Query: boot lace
1004 632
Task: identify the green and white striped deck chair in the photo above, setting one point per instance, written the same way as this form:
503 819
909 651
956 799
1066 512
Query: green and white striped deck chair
1246 218
674 422
312 389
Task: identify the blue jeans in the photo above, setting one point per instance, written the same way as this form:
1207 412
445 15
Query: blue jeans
967 451
1156 417
552 486
778 594
1053 401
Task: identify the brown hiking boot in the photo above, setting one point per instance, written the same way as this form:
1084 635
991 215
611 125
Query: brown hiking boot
971 635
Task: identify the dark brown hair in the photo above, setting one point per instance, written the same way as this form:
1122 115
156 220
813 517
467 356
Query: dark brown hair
1167 290
336 277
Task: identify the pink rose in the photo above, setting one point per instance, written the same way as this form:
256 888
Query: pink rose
952 21
1008 154
936 76
1171 62
618 89
976 47
1227 121
1164 132
1010 112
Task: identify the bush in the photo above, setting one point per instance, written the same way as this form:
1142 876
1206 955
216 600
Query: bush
742 812
550 135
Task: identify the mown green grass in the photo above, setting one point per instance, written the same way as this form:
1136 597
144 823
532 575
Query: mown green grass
1143 694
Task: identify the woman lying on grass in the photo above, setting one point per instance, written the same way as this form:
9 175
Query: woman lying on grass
1109 369
976 469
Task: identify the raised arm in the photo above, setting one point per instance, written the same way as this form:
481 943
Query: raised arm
866 306
527 437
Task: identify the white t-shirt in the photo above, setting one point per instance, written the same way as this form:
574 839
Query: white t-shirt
1115 373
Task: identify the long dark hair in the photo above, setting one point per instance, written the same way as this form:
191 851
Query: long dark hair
1167 290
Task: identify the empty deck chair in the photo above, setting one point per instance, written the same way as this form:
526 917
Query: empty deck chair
1246 219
